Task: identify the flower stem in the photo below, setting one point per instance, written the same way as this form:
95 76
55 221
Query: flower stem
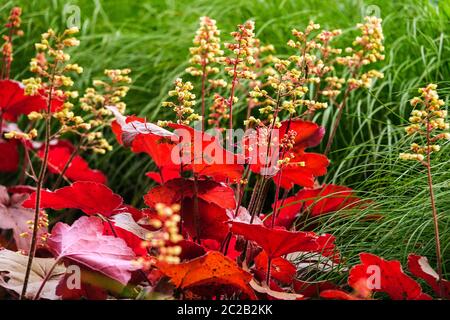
42 172
435 214
66 166
269 265
203 94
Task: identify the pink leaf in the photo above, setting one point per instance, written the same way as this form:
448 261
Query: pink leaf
84 243
15 217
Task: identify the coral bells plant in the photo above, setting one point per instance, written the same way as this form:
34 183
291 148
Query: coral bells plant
428 124
233 206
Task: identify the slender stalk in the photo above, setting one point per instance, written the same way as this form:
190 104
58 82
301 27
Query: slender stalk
66 166
47 277
435 214
203 94
269 265
234 83
42 172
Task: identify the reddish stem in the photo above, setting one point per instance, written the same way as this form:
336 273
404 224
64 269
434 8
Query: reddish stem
434 210
269 265
42 172
47 277
203 93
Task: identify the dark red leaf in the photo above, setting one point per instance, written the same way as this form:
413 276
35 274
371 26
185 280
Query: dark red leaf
312 289
211 221
280 269
9 160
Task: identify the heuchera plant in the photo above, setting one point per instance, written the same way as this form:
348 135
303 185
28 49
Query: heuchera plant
205 232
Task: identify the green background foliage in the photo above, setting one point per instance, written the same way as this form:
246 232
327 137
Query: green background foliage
153 37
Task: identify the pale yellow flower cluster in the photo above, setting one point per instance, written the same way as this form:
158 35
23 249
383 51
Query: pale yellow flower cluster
242 50
95 101
368 49
206 51
51 66
428 119
183 107
218 111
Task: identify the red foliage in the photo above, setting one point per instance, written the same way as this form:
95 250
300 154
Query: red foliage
209 275
420 268
162 146
309 134
280 269
277 242
14 102
315 202
89 197
302 170
375 274
9 161
78 169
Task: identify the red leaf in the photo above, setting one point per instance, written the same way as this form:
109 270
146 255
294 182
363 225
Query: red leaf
209 275
280 269
391 278
211 220
202 153
176 190
278 242
190 250
78 169
338 295
85 244
89 197
312 289
145 137
213 200
87 291
166 174
420 267
132 240
14 102
302 170
309 134
325 199
206 156
9 161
